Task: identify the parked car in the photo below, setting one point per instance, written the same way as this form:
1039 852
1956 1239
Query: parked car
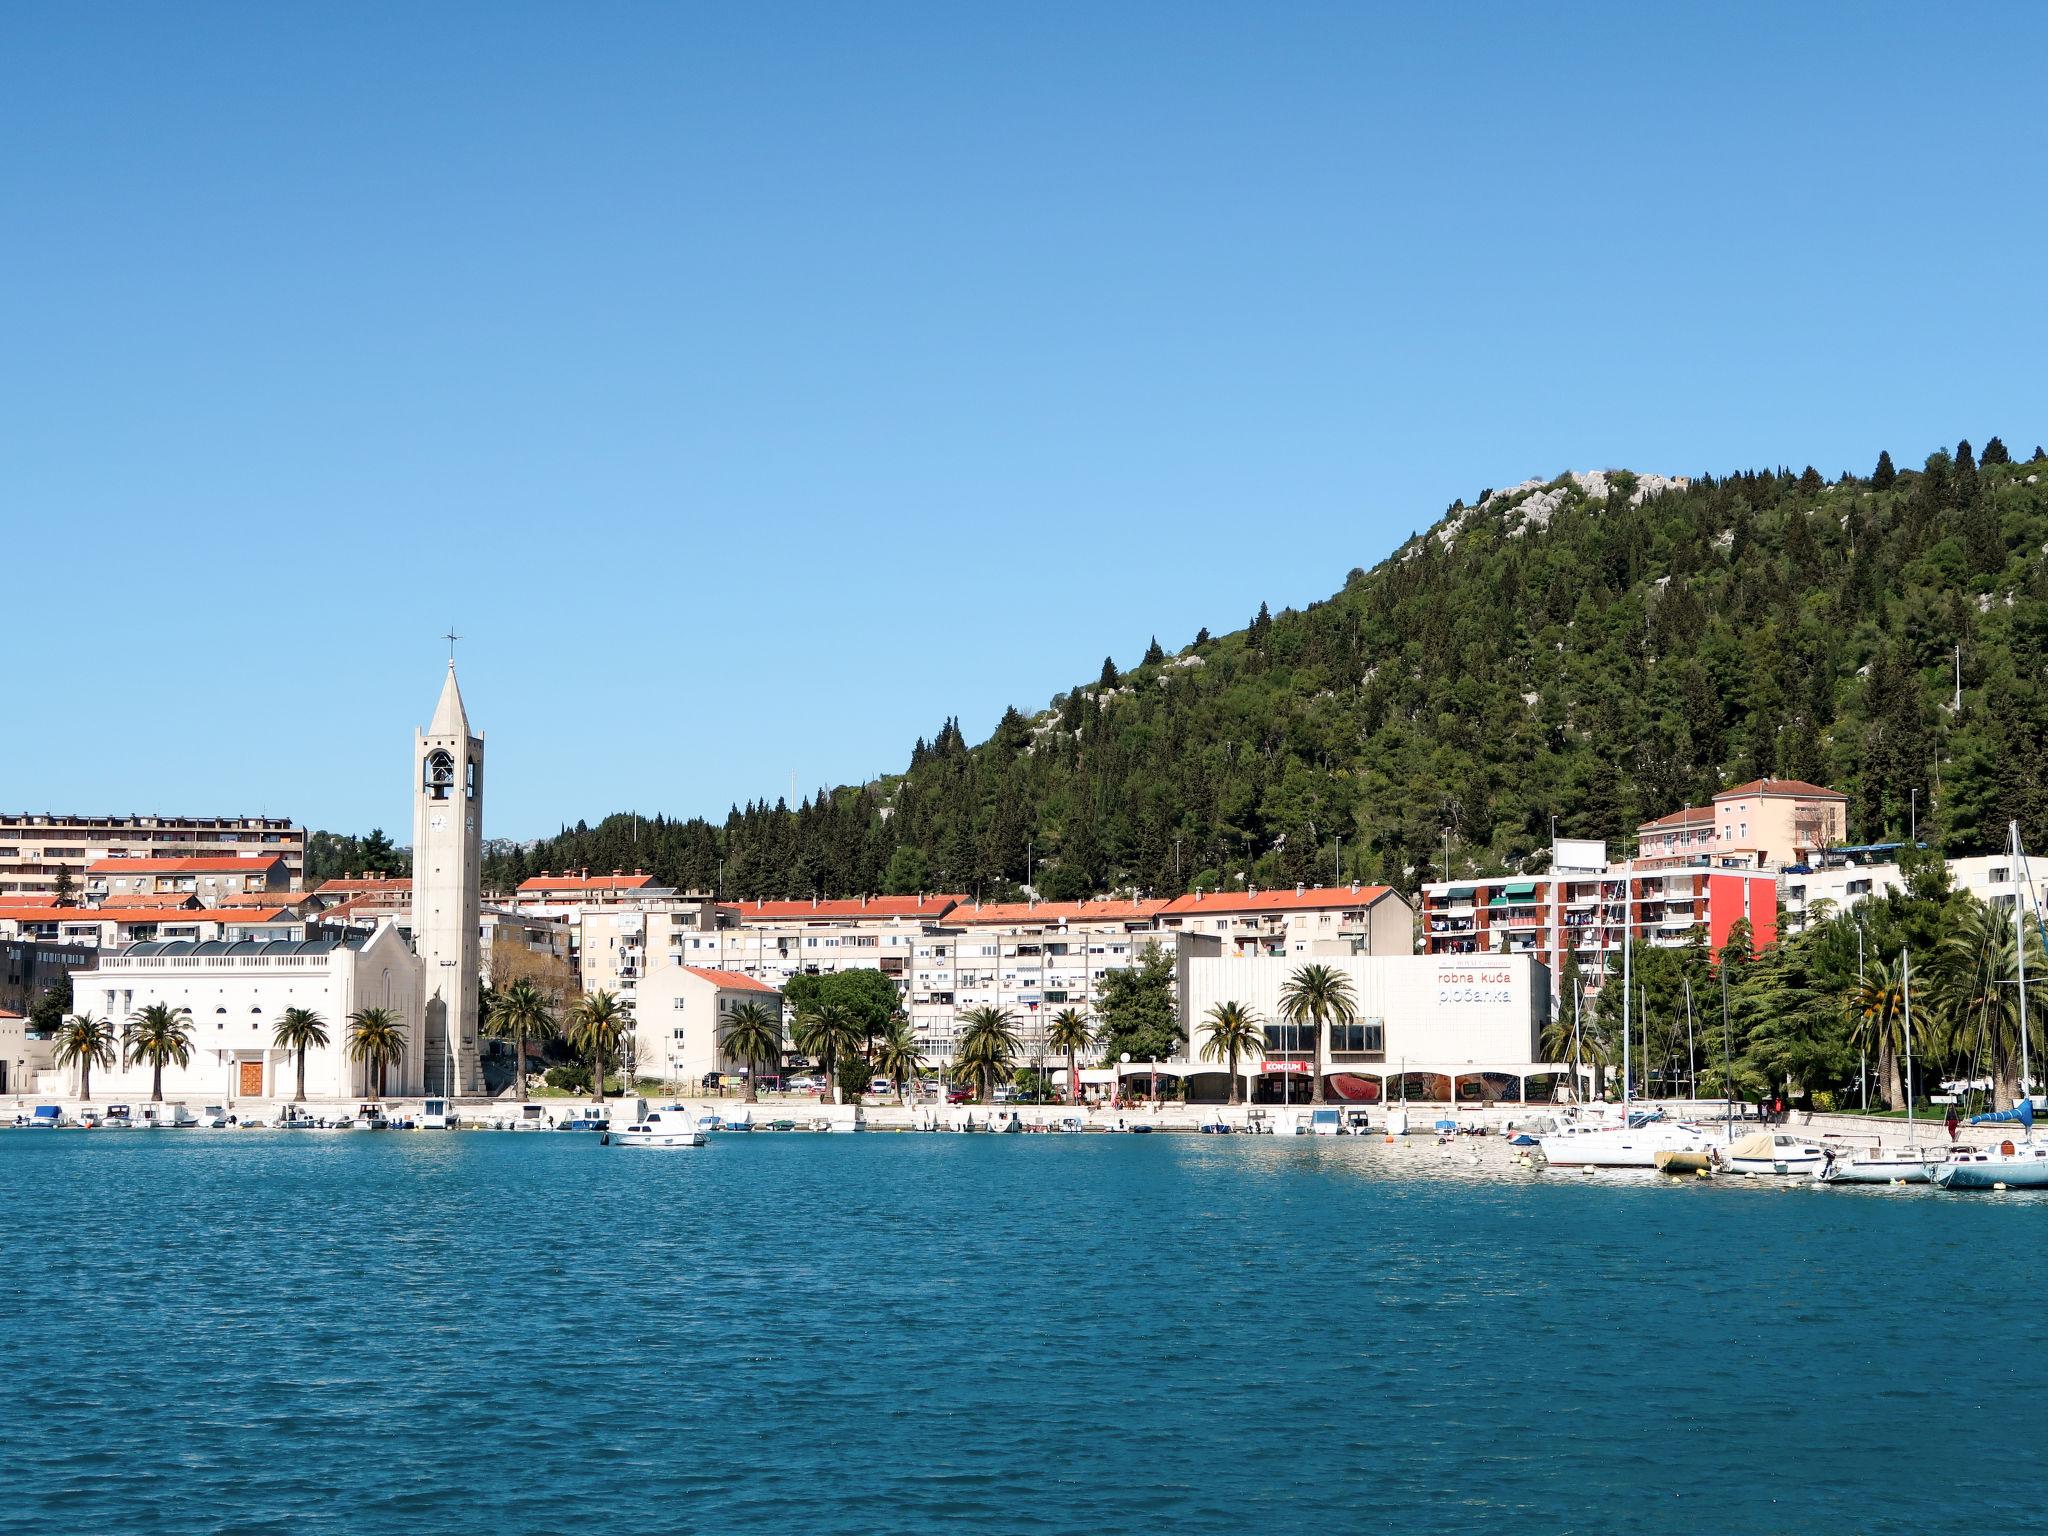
959 1095
880 1085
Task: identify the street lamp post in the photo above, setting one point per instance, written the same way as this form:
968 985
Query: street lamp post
1125 1059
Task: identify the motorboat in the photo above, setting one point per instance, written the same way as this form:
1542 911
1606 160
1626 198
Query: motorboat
1397 1121
1775 1154
45 1117
661 1128
530 1117
168 1117
1074 1125
292 1118
736 1120
213 1118
89 1118
120 1118
590 1119
1634 1143
1326 1122
438 1115
1215 1125
1357 1122
368 1117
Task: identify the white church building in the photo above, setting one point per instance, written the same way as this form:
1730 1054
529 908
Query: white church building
232 993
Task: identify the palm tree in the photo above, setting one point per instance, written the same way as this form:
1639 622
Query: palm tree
156 1035
1877 1023
1973 976
1319 996
596 1026
520 1013
90 1043
988 1045
376 1037
828 1032
299 1030
750 1033
1071 1032
1234 1031
897 1056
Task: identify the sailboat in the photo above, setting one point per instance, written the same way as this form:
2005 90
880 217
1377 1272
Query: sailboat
2010 1164
1894 1165
2021 1164
1644 1132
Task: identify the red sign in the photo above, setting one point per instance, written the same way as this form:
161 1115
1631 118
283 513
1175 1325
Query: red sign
1304 1068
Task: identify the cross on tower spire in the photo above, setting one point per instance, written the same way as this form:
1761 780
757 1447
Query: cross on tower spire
451 637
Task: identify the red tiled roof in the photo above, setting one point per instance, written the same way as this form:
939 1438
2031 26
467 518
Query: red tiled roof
1690 815
1797 787
144 899
44 913
363 884
9 1013
128 917
233 865
586 882
252 899
1315 897
1098 911
732 981
869 909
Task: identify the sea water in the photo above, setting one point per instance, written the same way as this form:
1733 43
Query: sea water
239 1331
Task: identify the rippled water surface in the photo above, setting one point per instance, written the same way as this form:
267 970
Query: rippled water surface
474 1332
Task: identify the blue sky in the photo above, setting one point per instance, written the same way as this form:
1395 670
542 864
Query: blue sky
753 387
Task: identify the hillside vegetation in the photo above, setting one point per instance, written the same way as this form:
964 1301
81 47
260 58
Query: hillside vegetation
1596 649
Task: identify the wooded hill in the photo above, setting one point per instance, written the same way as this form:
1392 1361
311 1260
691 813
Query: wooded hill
1599 649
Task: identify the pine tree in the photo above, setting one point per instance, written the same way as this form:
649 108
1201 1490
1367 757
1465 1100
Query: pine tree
1882 478
1994 453
1202 636
1153 654
1810 482
1108 678
1963 479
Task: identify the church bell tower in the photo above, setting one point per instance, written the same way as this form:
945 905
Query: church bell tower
447 866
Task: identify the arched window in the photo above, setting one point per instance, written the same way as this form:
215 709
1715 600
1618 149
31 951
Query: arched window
439 777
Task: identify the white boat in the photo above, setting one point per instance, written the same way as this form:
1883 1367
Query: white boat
368 1117
2008 1165
1326 1122
1634 1143
45 1117
1767 1154
438 1115
736 1120
1071 1125
1881 1165
213 1118
1397 1121
662 1128
167 1117
119 1118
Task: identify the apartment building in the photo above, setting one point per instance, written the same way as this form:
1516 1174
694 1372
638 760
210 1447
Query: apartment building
677 1023
207 880
105 928
30 967
1580 907
560 895
1848 877
35 847
1327 920
1031 958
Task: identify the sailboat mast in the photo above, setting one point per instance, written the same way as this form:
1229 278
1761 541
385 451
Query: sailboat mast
2019 932
1627 972
1727 1061
1906 983
1692 1060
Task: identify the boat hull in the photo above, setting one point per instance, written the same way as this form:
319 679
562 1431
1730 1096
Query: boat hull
2026 1168
655 1140
1878 1170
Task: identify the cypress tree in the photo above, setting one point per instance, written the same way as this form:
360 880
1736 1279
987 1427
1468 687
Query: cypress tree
1882 478
1108 678
1153 654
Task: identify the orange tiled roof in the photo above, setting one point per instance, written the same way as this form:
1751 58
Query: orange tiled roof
234 865
129 917
868 908
253 899
144 899
1316 896
1797 787
1096 911
44 913
1691 815
731 980
362 884
586 882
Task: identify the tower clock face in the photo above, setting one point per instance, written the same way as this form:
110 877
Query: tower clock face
438 823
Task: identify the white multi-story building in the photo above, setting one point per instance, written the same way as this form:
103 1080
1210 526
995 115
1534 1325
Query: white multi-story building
678 1018
1368 919
1856 875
